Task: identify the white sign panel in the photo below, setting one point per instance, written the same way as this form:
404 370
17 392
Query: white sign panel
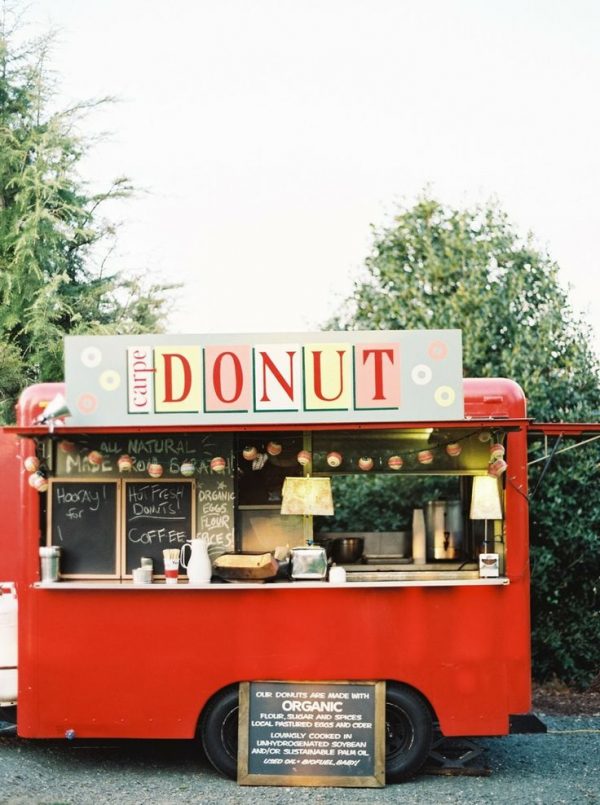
330 377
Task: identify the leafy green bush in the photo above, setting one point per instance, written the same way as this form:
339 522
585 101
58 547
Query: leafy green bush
436 267
565 568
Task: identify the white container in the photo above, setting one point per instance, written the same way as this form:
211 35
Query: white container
489 565
8 643
337 574
419 541
198 566
142 575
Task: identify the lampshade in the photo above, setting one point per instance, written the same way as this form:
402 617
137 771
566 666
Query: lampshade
307 496
485 500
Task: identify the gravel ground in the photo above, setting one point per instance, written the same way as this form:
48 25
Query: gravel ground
562 766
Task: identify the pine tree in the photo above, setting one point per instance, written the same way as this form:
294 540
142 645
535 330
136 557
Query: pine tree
54 243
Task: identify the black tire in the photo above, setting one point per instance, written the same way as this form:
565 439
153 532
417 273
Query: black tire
219 731
408 733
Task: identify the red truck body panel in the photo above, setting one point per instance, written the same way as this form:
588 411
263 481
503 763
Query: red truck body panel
130 663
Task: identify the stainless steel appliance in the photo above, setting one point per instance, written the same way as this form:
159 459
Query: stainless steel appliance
309 562
444 529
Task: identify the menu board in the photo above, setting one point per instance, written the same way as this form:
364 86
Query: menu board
215 513
82 521
156 515
93 455
312 733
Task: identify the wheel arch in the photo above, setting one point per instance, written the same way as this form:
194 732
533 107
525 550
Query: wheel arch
398 683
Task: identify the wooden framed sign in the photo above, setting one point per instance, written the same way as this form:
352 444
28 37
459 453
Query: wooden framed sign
312 734
83 521
156 515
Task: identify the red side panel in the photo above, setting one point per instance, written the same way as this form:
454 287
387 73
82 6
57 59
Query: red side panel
12 452
143 663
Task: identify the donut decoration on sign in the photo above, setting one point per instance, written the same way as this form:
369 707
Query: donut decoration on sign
365 463
304 457
155 469
425 457
334 459
124 463
67 446
187 468
250 452
453 449
31 463
395 462
217 464
274 448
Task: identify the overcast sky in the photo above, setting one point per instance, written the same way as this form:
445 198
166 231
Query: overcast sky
270 134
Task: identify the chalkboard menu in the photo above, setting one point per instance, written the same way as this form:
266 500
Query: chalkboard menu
156 515
215 512
72 455
312 733
82 520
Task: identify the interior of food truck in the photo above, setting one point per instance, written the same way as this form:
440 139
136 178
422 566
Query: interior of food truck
378 479
388 500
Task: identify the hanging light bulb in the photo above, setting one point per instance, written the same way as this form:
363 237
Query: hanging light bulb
95 457
31 463
187 468
334 459
425 457
155 469
38 481
217 464
496 451
497 467
124 463
304 457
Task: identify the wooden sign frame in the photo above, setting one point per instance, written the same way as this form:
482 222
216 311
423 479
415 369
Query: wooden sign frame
188 482
293 777
81 481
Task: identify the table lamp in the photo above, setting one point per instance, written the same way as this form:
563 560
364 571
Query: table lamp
307 496
485 502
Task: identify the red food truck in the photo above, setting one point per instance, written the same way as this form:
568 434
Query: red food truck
238 447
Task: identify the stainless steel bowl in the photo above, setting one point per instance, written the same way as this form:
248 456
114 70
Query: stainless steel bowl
346 550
